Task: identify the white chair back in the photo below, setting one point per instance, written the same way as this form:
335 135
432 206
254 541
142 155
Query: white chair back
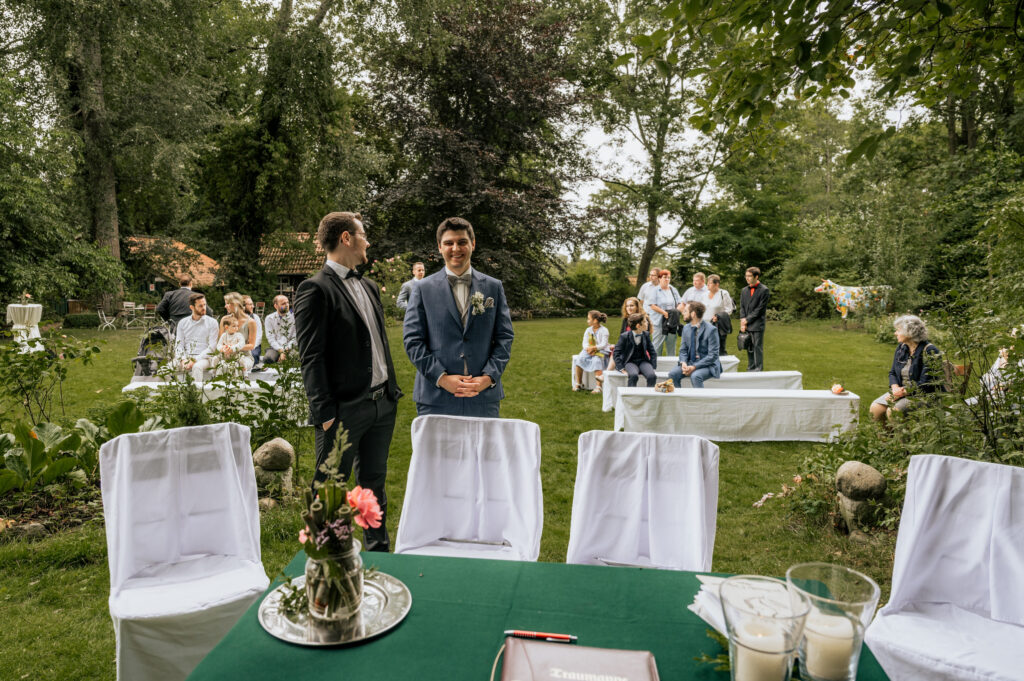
173 495
644 499
961 538
473 480
957 605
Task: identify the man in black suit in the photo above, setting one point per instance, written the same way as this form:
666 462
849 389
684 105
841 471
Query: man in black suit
346 361
753 313
173 307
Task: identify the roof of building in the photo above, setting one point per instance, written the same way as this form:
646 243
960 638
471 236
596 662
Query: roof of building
291 253
171 258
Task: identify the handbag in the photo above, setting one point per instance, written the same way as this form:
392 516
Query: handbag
743 340
670 324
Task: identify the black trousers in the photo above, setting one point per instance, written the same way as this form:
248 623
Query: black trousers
755 351
370 425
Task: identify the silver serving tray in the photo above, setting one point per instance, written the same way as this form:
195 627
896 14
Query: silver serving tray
386 602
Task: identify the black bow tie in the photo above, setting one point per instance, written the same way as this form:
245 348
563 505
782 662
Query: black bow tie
465 278
354 273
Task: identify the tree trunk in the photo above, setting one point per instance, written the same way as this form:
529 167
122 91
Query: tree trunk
97 143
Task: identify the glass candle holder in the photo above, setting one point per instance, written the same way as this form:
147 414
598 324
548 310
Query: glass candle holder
843 601
764 620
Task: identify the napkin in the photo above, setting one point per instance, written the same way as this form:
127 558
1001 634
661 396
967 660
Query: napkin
707 605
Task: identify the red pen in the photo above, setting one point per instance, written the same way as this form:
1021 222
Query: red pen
541 636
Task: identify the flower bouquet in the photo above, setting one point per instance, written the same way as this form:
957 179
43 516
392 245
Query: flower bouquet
334 568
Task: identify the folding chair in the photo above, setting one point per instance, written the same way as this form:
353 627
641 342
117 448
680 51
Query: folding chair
105 321
149 316
473 489
259 307
183 544
957 606
644 500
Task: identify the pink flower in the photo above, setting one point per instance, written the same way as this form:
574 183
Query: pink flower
303 537
365 504
797 479
383 288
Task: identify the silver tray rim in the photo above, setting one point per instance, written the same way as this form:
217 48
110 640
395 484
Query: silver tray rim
271 600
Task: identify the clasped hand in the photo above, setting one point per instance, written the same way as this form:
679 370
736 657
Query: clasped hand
465 386
687 369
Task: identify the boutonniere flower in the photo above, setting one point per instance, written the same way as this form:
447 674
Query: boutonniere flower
480 304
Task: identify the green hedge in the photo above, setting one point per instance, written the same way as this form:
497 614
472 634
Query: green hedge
83 320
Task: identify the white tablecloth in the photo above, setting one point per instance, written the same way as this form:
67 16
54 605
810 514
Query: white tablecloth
780 380
25 322
665 364
737 415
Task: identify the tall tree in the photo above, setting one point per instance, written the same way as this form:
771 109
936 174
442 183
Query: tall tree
649 103
477 104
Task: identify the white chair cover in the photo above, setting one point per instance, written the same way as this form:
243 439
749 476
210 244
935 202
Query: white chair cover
957 605
183 543
644 499
473 489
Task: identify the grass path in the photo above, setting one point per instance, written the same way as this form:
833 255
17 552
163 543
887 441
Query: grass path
54 622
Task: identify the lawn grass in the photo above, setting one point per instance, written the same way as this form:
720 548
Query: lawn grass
53 592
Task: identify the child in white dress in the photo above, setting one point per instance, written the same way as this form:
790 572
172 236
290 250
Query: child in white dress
595 351
231 342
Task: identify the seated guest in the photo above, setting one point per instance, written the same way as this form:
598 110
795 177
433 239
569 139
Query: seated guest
996 379
909 377
280 331
634 353
595 351
631 305
249 308
176 305
195 339
698 350
231 342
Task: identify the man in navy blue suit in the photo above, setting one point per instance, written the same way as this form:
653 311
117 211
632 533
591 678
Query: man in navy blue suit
698 351
458 332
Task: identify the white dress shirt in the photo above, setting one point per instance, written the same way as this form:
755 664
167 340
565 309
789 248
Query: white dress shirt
195 339
365 308
281 331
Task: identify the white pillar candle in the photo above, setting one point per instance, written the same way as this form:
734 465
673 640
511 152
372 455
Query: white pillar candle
760 652
828 645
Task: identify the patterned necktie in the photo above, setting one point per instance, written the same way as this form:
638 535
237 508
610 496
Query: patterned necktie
461 294
690 355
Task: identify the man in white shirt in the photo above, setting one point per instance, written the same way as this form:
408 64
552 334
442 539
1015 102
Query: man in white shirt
649 285
280 331
195 339
698 291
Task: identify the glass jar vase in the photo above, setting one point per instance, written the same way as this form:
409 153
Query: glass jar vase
334 585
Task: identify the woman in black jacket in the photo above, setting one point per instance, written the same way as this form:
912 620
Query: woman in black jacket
909 376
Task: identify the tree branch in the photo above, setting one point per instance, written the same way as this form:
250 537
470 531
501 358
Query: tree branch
321 13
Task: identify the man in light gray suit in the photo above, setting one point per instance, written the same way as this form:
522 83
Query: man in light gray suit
458 332
418 270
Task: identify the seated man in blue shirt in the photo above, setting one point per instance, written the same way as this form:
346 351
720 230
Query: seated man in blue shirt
698 352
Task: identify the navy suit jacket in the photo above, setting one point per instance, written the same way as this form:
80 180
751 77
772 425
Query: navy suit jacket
437 342
626 351
706 356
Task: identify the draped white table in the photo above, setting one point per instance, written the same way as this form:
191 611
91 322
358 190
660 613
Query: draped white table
730 363
737 415
24 321
780 380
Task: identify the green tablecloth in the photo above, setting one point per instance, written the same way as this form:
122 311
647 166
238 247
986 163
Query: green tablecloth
460 608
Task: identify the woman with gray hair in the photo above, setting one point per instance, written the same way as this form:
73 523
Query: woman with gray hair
909 376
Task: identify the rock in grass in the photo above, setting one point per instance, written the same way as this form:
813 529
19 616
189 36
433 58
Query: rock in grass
276 455
30 531
275 484
858 481
268 503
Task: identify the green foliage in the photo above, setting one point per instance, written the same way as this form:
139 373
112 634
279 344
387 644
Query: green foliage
81 320
390 274
475 103
33 382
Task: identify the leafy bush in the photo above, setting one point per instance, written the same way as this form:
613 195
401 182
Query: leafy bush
82 320
37 456
33 381
389 274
